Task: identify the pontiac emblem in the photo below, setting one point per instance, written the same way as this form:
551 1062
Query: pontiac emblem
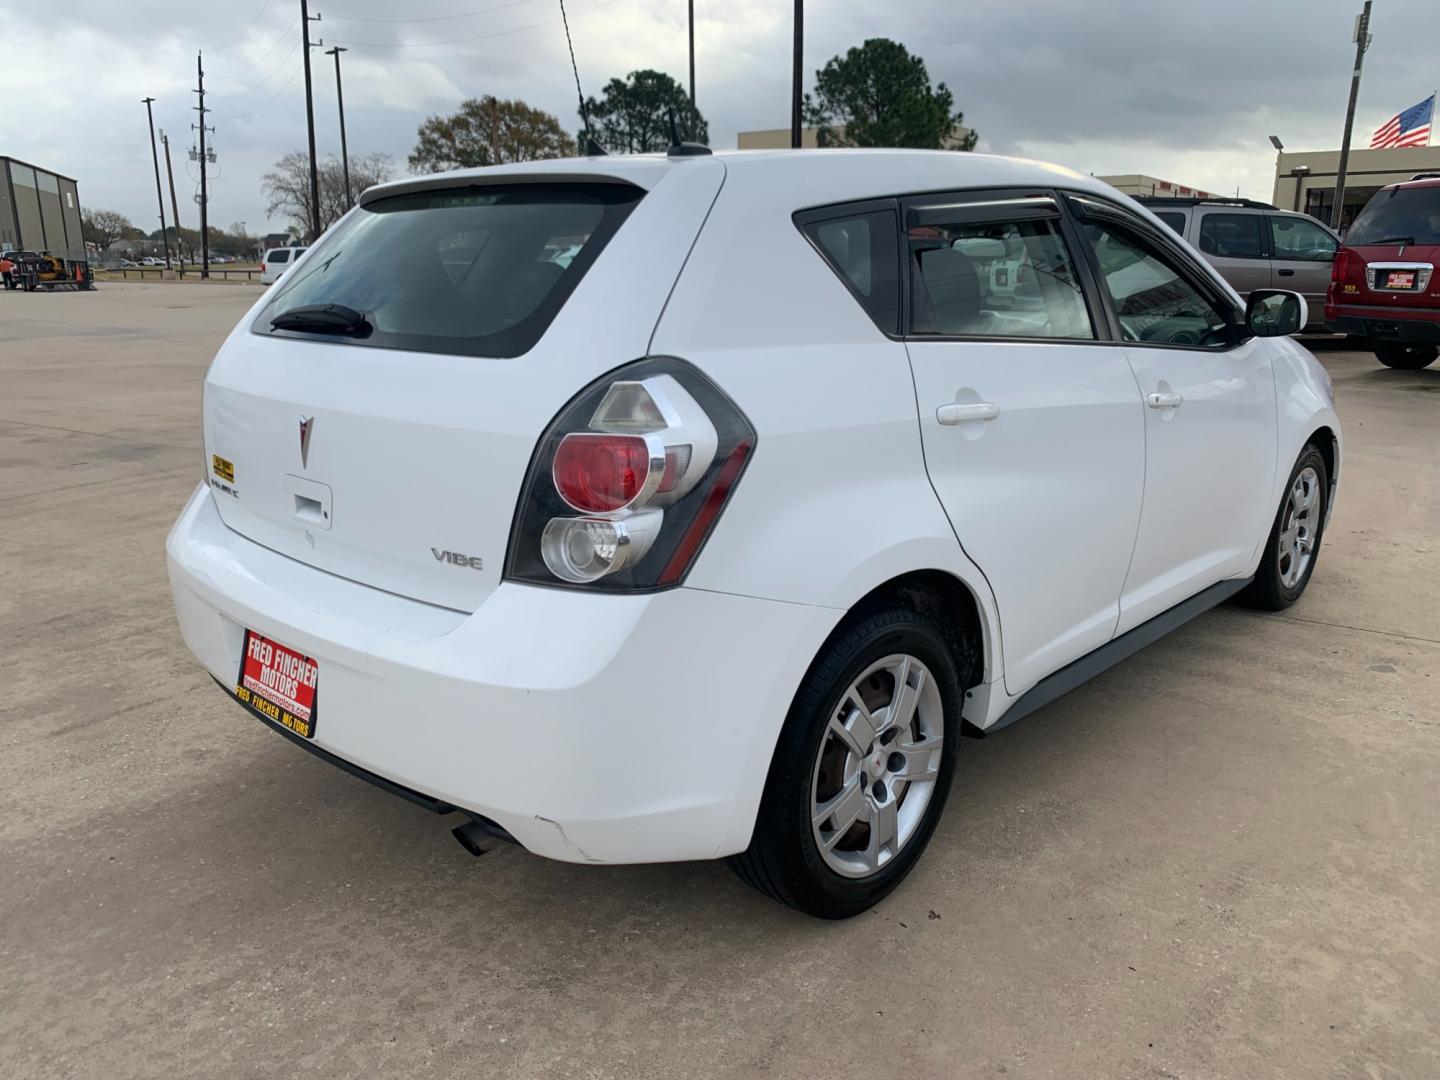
307 423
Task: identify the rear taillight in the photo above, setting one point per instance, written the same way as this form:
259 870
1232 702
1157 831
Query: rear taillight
628 481
1340 269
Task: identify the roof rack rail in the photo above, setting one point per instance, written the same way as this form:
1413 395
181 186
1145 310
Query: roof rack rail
1214 200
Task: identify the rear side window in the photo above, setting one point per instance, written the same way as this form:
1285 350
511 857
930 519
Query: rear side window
279 256
477 271
996 279
1232 236
864 250
1174 220
1411 215
1300 239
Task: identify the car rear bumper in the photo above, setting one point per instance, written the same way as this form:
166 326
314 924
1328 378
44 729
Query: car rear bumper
1403 324
591 728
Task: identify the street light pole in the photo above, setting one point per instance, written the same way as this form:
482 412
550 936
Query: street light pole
1362 42
174 206
155 158
796 79
340 97
692 68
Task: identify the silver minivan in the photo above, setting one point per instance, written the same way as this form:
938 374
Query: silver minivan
1255 245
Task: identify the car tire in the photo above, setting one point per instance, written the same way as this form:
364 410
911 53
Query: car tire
1288 562
1406 357
817 764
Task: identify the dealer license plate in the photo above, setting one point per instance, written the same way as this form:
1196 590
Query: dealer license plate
277 684
1400 279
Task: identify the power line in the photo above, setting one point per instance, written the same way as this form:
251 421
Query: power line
269 100
464 40
278 42
253 23
432 18
273 72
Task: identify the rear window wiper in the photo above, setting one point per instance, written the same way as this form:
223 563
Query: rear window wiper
324 319
1393 240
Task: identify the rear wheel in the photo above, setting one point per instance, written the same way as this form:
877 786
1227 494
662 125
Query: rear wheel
1294 542
861 770
1406 357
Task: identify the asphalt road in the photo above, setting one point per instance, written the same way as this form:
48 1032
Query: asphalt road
1221 859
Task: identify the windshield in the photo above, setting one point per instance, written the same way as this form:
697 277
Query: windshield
1409 215
478 271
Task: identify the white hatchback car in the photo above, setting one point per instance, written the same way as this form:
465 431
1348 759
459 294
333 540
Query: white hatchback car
716 540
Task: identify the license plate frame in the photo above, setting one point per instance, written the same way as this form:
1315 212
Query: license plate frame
278 683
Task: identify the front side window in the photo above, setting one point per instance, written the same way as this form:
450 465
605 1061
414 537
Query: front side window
1153 301
1301 239
863 250
1232 236
474 271
996 279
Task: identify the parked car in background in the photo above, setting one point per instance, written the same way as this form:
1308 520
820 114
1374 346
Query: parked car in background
277 261
1256 246
1384 287
715 539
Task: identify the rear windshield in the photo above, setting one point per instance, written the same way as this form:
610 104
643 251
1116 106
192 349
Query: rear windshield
478 271
1408 215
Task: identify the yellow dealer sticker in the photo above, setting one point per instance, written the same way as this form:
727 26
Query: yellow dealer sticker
223 468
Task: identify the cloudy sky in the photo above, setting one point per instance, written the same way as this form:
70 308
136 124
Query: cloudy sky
1186 92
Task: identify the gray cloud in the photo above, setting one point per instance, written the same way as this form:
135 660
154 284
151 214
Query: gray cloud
1186 92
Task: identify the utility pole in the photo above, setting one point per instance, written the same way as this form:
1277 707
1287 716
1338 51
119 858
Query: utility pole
305 22
795 88
1362 42
204 180
174 206
693 111
340 97
155 158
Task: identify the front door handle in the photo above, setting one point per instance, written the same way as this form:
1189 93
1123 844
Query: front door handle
1165 401
951 413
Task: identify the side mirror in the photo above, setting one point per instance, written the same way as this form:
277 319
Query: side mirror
1276 313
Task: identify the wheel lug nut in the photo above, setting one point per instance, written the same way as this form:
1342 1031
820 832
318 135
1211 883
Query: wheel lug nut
879 790
896 762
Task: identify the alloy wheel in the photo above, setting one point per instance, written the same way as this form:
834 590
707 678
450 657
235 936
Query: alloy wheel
1299 527
876 769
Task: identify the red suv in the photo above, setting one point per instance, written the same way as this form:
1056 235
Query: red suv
1383 286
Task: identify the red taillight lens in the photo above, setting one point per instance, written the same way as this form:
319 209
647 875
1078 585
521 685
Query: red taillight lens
599 474
1340 270
629 480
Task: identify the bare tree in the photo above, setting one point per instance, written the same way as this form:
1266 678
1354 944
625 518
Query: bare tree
287 185
104 227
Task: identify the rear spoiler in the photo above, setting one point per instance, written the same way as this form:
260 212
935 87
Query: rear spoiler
642 172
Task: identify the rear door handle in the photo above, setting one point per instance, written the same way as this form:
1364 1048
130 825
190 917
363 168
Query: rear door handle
1165 401
951 414
1286 273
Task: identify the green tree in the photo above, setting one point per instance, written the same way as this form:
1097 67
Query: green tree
488 131
880 95
632 114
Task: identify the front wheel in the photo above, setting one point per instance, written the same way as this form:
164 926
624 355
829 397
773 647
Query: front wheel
1406 357
1294 542
861 770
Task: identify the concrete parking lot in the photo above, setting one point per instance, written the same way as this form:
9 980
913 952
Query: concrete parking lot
1221 859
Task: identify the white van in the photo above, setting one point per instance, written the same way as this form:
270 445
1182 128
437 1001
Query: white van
277 261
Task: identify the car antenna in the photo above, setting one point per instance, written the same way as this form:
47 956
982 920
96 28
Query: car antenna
592 147
678 148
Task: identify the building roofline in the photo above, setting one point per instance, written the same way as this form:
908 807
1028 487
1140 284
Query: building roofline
39 168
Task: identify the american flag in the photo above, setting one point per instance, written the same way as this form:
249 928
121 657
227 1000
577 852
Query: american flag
1409 128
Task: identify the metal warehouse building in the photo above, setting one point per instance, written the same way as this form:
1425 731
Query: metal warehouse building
39 210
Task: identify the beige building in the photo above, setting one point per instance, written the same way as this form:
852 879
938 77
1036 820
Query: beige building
779 139
1305 180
